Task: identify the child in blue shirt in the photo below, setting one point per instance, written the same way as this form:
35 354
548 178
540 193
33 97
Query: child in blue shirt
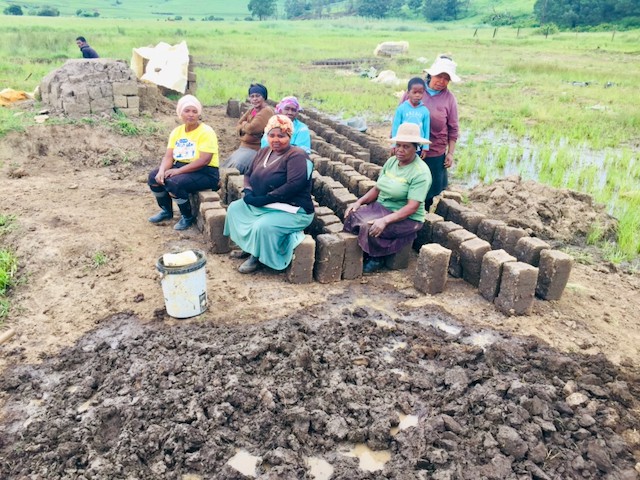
412 110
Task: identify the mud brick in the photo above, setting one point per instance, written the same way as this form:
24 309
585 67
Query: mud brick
507 237
487 228
364 186
129 112
455 211
133 101
441 230
344 175
455 240
333 169
425 234
323 211
300 270
442 208
208 196
431 269
354 162
471 254
321 164
451 195
330 250
213 229
342 199
325 220
555 268
352 264
120 101
491 273
528 250
318 185
235 185
125 88
233 109
354 183
333 228
328 193
225 174
379 154
335 153
371 170
517 288
362 155
399 260
470 220
343 157
203 207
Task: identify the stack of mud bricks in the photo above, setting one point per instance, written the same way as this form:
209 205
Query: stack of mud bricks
210 220
192 83
92 86
508 266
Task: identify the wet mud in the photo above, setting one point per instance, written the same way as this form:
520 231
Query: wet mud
334 392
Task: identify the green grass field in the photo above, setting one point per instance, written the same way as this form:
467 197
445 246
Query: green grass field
572 99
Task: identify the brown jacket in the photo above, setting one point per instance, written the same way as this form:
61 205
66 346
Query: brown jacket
251 128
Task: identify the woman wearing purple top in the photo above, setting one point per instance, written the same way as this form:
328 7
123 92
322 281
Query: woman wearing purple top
443 109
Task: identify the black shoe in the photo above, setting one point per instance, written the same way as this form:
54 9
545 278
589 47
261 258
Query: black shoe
373 264
250 265
238 254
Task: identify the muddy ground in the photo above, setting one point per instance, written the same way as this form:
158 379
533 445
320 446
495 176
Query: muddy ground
99 383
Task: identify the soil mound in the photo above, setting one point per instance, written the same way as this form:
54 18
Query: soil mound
147 402
550 213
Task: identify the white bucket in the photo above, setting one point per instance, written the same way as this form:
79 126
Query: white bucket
185 287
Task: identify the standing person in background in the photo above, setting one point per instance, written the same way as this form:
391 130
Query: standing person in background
301 137
412 110
87 51
443 110
250 129
189 165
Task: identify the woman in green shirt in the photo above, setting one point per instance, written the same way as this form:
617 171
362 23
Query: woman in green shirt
389 216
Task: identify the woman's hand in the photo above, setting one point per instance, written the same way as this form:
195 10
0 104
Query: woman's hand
171 172
377 227
448 160
423 154
160 177
351 208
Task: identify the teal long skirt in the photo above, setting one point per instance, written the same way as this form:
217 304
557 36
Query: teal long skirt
268 234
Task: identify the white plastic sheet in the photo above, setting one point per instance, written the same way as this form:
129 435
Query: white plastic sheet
166 65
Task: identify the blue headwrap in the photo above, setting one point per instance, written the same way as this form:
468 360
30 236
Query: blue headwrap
258 88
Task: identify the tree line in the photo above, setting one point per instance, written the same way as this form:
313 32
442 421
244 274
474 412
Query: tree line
563 13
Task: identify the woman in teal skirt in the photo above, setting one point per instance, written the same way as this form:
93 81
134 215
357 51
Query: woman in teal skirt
268 222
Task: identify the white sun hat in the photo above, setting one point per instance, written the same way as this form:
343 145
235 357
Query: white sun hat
409 133
444 64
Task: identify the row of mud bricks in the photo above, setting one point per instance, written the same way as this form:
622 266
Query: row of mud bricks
507 265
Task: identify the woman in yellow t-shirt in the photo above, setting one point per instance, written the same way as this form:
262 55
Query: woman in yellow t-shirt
189 165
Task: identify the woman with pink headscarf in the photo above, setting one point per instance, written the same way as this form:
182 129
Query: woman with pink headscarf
189 165
268 222
301 136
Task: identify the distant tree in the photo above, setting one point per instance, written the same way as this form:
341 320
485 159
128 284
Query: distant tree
13 10
415 5
373 8
296 8
575 13
262 8
48 11
443 9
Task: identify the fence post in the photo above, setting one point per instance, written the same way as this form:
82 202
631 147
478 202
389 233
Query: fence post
494 32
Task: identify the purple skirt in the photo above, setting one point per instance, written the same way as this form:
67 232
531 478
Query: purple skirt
394 237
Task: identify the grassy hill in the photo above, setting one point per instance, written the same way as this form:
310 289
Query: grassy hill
235 9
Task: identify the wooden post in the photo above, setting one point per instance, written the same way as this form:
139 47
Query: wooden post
494 32
613 35
475 33
518 33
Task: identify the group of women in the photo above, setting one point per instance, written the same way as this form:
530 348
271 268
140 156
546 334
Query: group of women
268 222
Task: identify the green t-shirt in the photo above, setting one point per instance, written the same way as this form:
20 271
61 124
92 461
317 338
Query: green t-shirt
398 184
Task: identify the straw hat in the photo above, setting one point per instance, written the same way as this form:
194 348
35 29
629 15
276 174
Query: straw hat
444 64
409 133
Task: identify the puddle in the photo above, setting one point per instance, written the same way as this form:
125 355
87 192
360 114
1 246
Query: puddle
406 421
244 462
370 460
481 339
319 469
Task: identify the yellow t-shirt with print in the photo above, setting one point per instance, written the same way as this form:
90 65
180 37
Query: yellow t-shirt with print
188 145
